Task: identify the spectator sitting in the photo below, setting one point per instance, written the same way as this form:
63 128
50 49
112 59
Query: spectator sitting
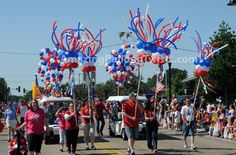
13 144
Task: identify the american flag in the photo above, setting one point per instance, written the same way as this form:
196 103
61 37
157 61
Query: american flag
159 87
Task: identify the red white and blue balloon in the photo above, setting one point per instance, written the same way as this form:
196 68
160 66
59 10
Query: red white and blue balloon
203 61
121 65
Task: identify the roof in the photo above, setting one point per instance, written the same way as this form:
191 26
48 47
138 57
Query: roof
123 98
55 99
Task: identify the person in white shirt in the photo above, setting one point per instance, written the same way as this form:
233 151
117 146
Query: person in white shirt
21 109
188 117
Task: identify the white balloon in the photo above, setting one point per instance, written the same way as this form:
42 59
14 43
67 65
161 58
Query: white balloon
140 51
118 73
52 60
65 60
123 47
118 62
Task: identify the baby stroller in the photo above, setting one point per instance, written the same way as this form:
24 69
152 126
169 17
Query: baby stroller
18 139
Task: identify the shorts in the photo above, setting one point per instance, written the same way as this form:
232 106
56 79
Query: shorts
35 142
188 130
131 132
11 123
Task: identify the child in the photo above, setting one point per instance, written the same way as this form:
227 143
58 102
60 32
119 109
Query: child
177 119
222 122
13 144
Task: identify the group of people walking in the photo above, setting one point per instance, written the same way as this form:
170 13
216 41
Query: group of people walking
34 120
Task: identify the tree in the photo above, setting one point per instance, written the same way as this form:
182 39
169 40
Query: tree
3 89
223 72
177 76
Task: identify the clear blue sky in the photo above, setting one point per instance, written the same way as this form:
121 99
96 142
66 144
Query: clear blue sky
26 27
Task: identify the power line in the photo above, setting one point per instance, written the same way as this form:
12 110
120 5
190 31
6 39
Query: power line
107 46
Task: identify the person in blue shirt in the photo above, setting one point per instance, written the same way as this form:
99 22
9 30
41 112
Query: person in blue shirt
11 120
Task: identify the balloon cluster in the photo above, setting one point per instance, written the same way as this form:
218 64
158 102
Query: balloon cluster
153 45
50 69
89 48
121 65
68 46
203 61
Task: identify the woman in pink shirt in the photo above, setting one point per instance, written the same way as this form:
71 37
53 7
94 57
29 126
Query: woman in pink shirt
35 119
71 128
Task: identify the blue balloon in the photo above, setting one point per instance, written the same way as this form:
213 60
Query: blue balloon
208 63
197 61
41 53
201 62
140 45
53 75
51 56
119 50
167 51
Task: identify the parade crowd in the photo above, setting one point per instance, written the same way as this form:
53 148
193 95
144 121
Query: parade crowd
215 119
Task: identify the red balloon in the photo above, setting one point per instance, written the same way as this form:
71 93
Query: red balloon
47 59
38 71
75 65
85 69
41 58
158 60
200 72
53 79
56 63
120 67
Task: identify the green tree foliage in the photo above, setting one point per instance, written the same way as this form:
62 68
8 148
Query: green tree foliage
3 89
223 72
177 75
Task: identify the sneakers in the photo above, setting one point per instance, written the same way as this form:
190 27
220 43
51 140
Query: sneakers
128 151
132 153
185 146
87 148
93 147
193 147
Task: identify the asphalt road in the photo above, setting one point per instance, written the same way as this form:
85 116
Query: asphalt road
170 142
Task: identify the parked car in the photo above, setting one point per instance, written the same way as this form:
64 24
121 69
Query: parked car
116 122
53 104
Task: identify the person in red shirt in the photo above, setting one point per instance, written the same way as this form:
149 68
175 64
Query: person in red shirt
71 128
131 120
60 114
99 108
35 120
87 113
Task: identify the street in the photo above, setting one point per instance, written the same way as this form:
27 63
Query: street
170 142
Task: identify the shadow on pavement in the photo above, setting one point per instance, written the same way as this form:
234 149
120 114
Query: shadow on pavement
173 152
167 137
205 148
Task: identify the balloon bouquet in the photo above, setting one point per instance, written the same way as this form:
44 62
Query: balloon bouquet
50 70
153 45
121 65
203 62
